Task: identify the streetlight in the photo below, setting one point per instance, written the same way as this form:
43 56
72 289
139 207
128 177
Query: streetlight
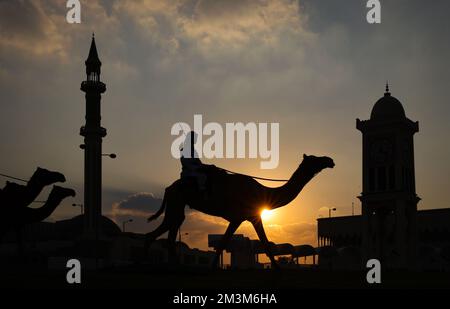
79 205
329 211
179 235
125 222
329 216
111 155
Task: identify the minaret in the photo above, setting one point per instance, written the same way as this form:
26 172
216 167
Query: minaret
93 134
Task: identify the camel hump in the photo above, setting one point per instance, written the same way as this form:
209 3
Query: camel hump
218 177
212 170
13 190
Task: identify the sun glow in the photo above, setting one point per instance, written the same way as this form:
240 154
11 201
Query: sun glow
266 214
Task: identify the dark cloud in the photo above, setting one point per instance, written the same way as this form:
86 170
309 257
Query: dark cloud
139 204
22 18
217 9
108 5
323 14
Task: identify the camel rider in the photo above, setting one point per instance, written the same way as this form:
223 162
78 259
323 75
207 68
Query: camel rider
192 167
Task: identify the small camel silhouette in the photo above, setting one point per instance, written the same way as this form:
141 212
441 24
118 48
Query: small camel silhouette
16 218
15 199
15 195
236 198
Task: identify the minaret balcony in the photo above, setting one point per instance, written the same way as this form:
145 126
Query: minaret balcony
93 86
93 131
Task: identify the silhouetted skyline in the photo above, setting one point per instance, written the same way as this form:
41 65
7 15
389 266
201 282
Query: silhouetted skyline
165 62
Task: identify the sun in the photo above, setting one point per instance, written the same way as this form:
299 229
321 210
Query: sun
266 214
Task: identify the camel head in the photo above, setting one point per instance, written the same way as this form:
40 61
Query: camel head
45 177
316 164
59 193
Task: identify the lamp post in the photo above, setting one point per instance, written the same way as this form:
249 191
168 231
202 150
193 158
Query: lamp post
79 205
111 155
329 216
124 223
179 235
329 211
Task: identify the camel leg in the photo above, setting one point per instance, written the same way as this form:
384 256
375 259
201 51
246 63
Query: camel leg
176 219
150 237
232 227
257 224
171 244
173 218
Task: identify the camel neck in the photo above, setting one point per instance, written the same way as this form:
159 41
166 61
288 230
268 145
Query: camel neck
39 214
34 187
285 194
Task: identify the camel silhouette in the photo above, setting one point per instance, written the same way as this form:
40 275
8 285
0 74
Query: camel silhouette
15 195
15 218
236 198
30 215
15 199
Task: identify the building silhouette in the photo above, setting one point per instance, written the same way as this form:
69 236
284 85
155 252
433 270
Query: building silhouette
390 229
93 134
244 252
389 200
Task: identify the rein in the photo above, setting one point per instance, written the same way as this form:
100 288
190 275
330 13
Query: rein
254 177
15 178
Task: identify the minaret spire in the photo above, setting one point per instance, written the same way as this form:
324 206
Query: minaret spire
93 63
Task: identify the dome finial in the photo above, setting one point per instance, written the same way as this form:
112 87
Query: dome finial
387 89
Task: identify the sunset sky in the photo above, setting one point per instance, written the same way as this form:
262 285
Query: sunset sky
313 66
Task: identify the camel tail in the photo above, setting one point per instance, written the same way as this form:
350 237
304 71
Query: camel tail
159 212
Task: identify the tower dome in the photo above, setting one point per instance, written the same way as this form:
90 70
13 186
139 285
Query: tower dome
387 107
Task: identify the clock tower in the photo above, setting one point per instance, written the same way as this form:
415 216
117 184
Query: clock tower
389 200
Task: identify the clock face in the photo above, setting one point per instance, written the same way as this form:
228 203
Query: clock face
381 151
